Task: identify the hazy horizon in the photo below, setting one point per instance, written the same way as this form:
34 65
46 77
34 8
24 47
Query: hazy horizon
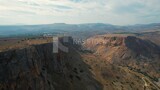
78 24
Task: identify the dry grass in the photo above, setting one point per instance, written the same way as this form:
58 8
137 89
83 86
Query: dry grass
14 43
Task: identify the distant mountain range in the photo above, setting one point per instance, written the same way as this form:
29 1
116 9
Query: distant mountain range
72 29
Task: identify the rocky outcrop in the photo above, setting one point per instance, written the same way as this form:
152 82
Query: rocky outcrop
114 63
36 67
130 51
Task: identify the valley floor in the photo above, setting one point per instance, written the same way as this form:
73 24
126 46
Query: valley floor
114 77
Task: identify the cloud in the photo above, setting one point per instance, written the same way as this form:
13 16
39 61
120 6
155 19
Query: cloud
119 12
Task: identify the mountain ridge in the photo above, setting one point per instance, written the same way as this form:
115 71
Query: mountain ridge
71 29
127 51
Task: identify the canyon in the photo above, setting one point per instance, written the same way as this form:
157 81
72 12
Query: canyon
103 62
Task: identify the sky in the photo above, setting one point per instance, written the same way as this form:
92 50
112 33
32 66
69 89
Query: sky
117 12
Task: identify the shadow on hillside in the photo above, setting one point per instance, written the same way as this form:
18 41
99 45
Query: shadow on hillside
77 71
37 68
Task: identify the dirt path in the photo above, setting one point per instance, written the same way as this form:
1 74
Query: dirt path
145 79
147 82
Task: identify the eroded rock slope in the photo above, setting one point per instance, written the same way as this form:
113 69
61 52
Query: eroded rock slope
36 67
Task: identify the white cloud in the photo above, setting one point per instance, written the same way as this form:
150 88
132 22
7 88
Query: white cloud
79 11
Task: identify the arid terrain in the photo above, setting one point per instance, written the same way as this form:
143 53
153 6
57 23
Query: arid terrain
102 62
134 59
79 44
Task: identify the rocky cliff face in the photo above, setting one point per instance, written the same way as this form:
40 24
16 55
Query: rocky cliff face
126 63
135 53
36 67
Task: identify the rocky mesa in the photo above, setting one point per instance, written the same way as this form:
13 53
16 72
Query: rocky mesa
107 62
127 50
36 67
